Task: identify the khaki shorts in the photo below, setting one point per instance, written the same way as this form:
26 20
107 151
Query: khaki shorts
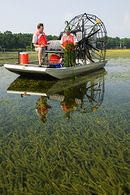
43 51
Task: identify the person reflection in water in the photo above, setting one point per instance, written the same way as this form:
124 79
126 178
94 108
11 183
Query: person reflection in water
42 108
67 109
68 104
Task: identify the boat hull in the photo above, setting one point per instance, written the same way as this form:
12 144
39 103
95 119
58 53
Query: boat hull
59 73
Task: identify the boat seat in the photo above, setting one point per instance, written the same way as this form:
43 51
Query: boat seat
54 45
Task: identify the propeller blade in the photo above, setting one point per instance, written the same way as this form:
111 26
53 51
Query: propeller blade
89 55
82 40
90 35
86 38
92 47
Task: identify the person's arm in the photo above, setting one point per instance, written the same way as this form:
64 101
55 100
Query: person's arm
36 45
75 44
61 43
75 41
62 47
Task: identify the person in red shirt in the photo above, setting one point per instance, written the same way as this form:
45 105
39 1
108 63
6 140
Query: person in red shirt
39 42
68 38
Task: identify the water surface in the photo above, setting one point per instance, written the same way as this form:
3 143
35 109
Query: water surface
65 137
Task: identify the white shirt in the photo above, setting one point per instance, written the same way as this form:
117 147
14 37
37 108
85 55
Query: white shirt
35 39
75 39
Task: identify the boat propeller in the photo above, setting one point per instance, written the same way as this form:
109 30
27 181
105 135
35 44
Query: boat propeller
91 35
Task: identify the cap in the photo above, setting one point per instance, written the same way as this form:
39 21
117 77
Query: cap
67 29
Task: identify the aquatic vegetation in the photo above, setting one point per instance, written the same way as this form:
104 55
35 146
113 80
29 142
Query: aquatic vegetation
69 55
118 53
88 154
62 159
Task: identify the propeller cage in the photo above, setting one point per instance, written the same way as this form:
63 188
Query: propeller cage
92 39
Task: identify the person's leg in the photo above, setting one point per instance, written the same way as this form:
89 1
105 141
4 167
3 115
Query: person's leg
43 53
40 58
38 50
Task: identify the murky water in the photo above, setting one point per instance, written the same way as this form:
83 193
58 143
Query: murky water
66 137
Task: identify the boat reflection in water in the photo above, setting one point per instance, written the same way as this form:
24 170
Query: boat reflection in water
81 94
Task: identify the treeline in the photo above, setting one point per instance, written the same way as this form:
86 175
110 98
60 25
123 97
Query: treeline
117 43
9 41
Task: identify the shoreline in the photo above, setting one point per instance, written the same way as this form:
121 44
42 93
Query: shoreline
110 53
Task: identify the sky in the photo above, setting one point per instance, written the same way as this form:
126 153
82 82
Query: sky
24 15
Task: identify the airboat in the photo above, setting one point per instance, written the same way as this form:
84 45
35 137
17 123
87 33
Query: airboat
90 52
